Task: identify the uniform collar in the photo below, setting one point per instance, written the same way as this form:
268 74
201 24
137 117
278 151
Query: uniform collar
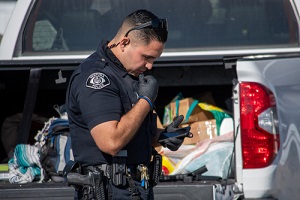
104 50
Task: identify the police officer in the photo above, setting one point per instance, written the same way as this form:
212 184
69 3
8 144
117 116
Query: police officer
110 107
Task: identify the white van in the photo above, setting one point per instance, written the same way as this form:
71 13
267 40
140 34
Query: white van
6 8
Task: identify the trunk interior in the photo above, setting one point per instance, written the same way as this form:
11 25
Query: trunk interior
16 98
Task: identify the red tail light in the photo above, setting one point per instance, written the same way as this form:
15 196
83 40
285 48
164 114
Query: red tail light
259 125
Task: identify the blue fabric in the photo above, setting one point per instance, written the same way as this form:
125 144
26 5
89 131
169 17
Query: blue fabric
25 166
58 122
60 151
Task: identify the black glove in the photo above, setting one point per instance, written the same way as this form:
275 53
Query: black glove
148 88
173 143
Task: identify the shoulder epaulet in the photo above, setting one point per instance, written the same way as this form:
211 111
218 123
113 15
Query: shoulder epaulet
94 60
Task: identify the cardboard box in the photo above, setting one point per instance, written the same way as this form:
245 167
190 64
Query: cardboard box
198 114
201 130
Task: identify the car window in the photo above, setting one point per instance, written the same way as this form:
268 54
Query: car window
79 25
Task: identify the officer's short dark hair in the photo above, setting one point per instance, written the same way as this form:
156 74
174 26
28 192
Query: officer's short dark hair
148 33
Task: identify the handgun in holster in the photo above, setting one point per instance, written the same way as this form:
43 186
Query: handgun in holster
89 179
119 168
91 183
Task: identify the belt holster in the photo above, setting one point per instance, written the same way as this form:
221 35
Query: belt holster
90 183
119 168
155 168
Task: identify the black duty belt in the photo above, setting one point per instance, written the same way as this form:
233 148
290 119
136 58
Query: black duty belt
132 170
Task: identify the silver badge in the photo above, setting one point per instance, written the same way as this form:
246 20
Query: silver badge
97 81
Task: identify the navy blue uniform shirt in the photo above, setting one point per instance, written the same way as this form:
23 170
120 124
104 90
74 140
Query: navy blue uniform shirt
101 90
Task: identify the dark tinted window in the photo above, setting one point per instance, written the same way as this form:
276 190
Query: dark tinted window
78 25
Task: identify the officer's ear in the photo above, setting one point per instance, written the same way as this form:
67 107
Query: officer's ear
125 41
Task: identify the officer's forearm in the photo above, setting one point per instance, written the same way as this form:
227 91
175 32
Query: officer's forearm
131 122
111 137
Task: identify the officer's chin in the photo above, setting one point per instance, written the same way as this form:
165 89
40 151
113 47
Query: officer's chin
136 74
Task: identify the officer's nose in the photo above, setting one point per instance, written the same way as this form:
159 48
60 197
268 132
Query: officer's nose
149 65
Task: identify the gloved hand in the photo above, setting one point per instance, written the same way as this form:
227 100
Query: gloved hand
173 143
147 88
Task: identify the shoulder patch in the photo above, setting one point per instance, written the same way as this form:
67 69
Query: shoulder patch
97 81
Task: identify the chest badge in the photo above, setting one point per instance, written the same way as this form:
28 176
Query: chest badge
97 81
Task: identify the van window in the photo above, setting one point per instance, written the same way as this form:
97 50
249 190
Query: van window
79 25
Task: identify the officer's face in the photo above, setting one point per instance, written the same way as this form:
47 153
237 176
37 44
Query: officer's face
140 57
